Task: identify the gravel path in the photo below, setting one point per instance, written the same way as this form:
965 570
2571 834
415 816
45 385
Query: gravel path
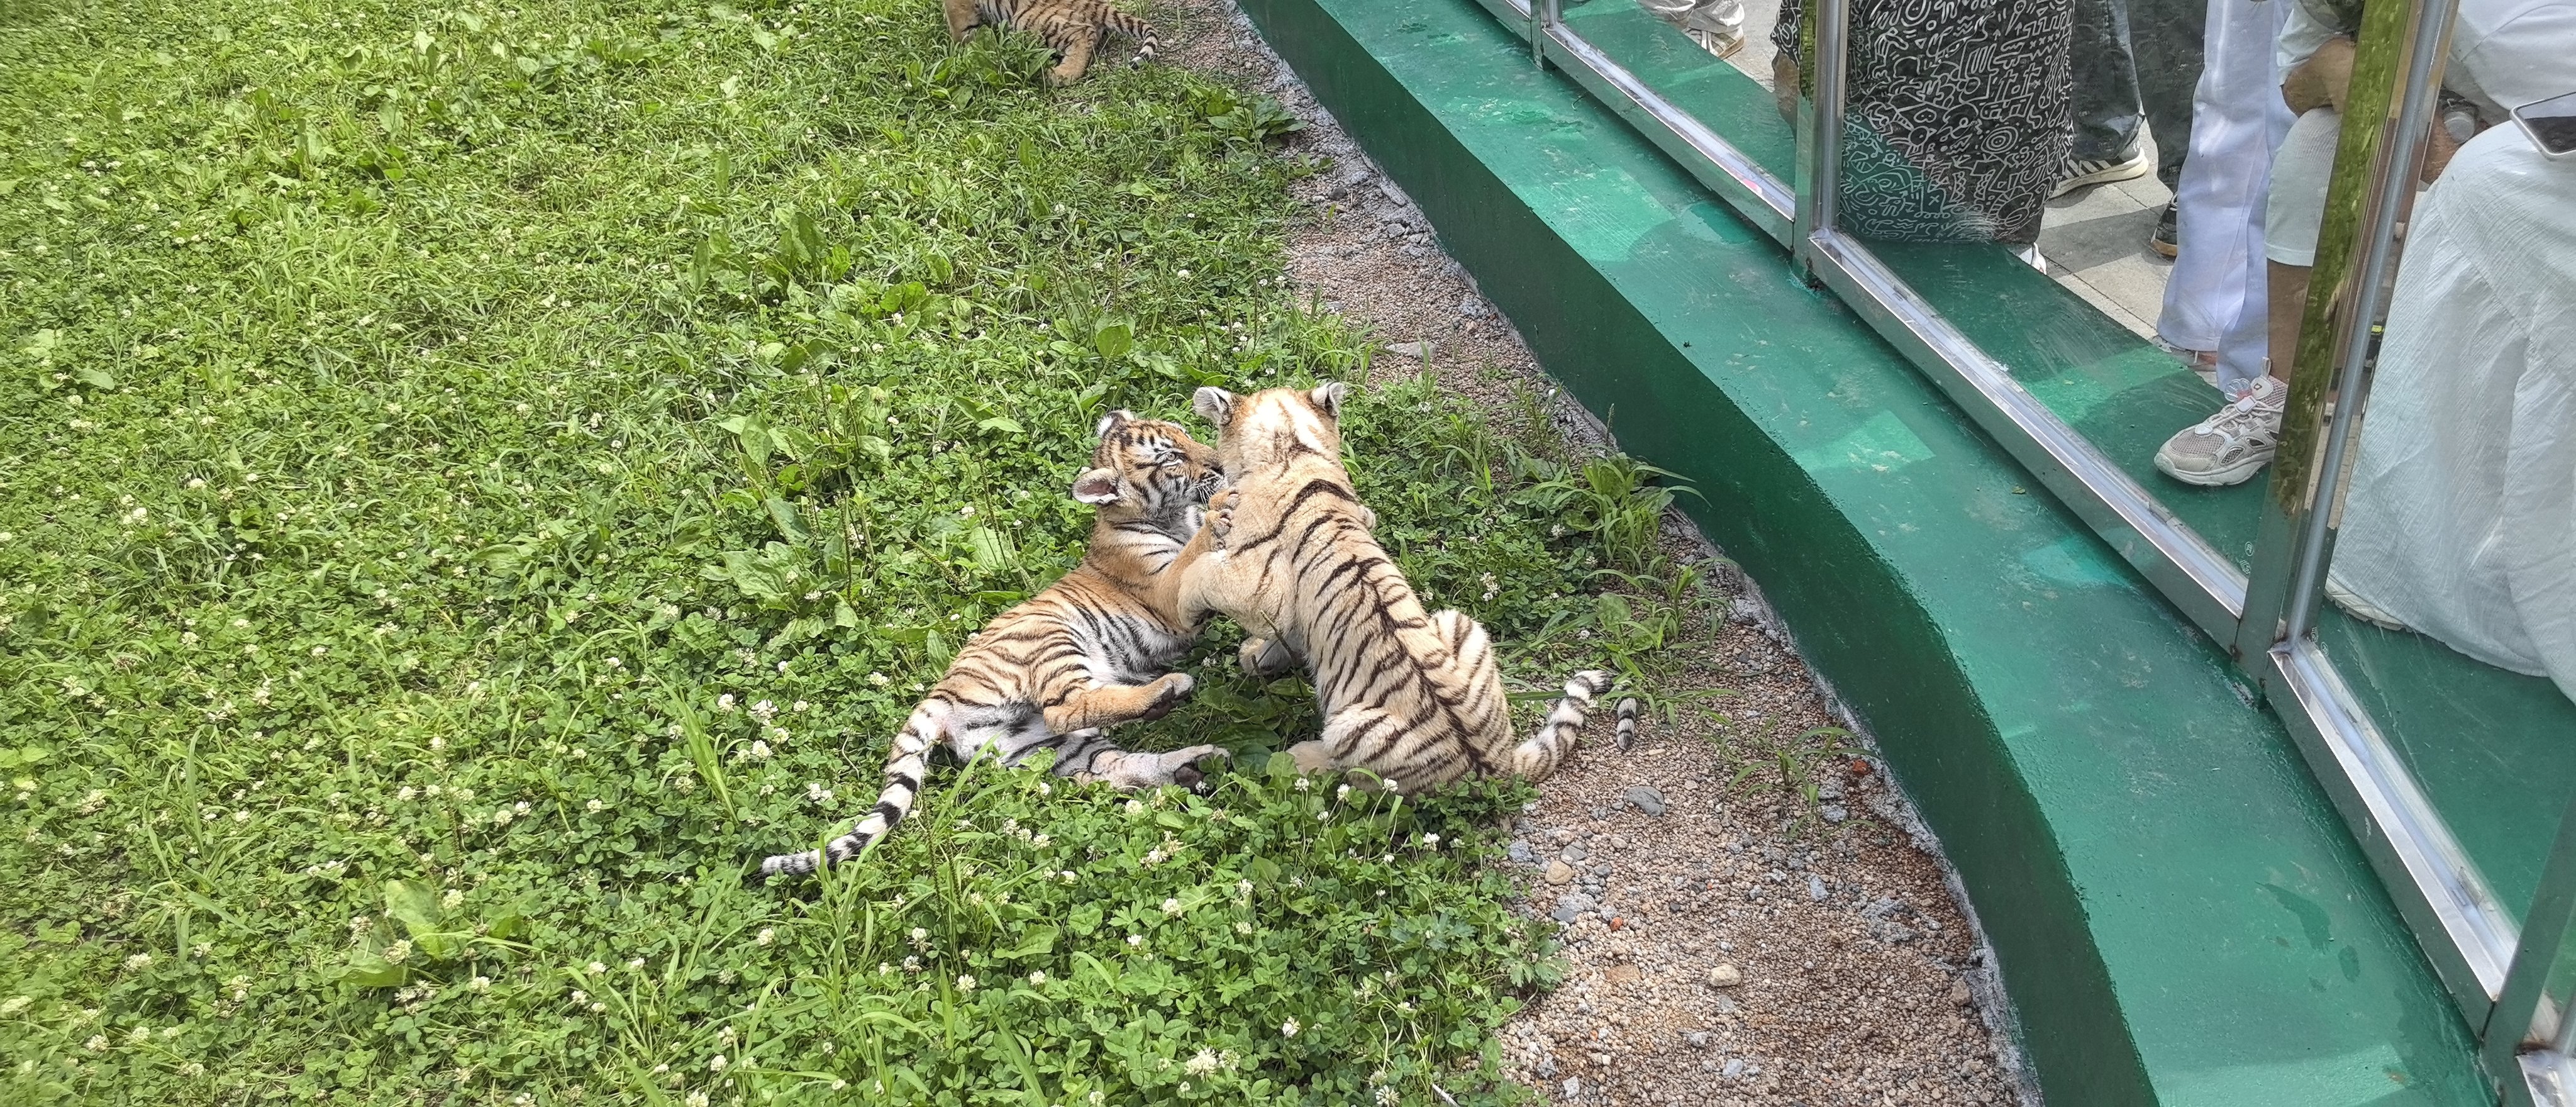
1728 941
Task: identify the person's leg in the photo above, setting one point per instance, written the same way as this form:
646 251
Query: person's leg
2167 41
2106 83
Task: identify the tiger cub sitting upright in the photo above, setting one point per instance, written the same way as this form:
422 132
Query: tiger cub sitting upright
1071 28
1091 651
1413 696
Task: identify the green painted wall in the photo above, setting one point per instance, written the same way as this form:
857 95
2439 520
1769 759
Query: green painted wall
2180 916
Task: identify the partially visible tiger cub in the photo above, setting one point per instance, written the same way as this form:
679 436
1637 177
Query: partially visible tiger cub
1091 651
1411 695
1072 28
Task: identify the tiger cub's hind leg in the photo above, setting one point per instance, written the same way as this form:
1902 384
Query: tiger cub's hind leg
1079 43
963 17
1093 708
1130 770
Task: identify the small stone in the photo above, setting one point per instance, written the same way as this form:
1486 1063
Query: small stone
1558 872
1414 350
1520 853
1571 906
1574 853
1835 812
1601 1059
1959 993
1697 1038
1734 1068
1815 888
1725 976
1645 799
1573 1087
1623 974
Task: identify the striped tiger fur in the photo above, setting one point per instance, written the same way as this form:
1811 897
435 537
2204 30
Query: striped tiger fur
1071 28
1091 651
1411 695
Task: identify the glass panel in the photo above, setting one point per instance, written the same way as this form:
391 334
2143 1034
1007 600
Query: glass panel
2014 162
2452 585
1706 57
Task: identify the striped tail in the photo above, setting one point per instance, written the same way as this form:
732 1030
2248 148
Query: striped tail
1627 722
1538 755
1134 28
906 762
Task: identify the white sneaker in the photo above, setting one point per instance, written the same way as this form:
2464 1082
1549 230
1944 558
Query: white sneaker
2231 446
2075 173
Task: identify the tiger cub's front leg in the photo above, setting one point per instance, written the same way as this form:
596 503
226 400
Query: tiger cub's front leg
963 17
1093 708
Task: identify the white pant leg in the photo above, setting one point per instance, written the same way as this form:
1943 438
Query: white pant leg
2214 299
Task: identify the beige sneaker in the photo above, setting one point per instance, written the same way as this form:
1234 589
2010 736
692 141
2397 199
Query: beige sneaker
2231 446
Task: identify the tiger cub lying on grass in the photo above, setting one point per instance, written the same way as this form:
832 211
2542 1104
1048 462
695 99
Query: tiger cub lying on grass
1411 695
1071 28
1091 651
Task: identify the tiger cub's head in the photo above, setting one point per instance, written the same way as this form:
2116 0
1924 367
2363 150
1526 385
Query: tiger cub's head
1273 426
1148 469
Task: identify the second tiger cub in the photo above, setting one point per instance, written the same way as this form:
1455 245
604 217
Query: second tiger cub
1072 28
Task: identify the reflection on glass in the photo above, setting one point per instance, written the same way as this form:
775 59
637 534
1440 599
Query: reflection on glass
2452 583
1716 25
1957 120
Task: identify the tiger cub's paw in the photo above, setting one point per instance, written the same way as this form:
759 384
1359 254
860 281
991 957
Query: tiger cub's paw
1169 690
1220 518
1264 657
1191 768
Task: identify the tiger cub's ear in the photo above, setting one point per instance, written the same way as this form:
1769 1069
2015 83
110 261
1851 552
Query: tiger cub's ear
1214 405
1327 398
1096 486
1101 429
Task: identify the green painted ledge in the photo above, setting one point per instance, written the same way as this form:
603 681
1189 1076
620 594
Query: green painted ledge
2179 915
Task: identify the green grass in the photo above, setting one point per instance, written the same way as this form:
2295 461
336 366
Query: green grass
474 479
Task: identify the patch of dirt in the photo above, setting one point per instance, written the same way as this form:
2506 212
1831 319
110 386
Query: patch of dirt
1728 941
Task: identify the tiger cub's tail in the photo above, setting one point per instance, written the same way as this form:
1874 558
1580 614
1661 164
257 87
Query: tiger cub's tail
1539 754
1134 28
906 762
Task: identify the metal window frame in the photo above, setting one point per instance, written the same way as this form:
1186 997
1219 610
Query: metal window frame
2265 618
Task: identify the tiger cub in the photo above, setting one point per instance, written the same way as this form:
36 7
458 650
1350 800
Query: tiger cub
1071 28
1413 696
1091 651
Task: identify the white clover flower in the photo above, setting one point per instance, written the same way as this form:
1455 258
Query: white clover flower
1242 927
479 984
579 996
1171 906
395 953
594 806
1035 978
1304 784
454 899
1201 1063
501 817
596 968
759 750
912 964
766 936
1041 841
140 960
697 1099
1431 840
97 1043
634 962
878 679
1342 793
965 983
801 707
716 1063
1136 940
15 1004
764 710
724 702
1135 808
1289 1028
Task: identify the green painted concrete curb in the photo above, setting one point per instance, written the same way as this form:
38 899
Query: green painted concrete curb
2179 915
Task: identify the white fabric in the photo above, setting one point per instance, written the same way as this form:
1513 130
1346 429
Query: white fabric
2507 53
2301 169
2302 35
2214 298
2461 518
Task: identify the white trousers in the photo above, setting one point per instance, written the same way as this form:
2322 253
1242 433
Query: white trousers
2214 299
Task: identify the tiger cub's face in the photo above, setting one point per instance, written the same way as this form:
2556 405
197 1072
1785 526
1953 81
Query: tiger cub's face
1273 426
1148 469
